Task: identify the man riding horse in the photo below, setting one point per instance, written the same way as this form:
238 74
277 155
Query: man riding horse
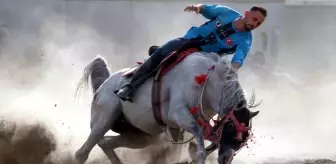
226 32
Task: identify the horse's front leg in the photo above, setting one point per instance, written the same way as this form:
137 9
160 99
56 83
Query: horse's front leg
180 114
208 150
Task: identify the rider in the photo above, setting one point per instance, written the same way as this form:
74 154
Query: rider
227 31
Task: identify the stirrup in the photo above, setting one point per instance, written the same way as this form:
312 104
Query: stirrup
126 98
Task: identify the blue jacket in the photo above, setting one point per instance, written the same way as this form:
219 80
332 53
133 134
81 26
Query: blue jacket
238 43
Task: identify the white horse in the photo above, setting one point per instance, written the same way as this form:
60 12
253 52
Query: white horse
218 94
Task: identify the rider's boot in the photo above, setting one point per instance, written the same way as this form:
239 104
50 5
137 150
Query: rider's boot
152 49
127 91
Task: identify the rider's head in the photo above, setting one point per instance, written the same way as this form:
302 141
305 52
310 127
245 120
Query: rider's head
254 18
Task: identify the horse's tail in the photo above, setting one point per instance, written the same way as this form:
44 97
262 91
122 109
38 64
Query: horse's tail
97 71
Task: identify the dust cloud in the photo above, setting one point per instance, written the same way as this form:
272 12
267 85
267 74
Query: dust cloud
297 116
41 58
44 46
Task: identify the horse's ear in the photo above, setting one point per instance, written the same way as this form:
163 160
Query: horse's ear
241 104
253 114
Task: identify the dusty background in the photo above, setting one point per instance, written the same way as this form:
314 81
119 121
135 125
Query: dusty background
44 46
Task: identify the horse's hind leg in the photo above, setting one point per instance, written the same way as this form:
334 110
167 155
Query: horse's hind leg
105 110
108 145
130 140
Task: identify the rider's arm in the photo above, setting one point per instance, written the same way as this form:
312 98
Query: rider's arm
212 11
242 50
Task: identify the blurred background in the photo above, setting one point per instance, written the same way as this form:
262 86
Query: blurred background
45 45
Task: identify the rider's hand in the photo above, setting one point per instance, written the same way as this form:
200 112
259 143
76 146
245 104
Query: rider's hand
195 8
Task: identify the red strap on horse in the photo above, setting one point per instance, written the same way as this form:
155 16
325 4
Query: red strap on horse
207 128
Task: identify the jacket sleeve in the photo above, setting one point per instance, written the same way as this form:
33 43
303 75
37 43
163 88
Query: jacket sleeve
242 50
212 11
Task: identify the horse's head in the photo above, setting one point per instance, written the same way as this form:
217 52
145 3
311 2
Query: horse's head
236 131
231 102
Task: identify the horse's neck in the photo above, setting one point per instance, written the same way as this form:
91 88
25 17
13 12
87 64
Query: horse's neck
196 64
212 95
222 83
200 62
213 89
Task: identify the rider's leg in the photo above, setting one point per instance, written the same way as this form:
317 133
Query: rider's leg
143 72
192 43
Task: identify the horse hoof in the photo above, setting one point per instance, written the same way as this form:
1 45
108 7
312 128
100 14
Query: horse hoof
80 158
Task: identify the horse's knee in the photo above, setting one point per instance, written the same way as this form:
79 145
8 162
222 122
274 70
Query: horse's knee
107 142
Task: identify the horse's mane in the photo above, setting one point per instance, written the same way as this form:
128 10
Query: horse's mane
252 103
232 91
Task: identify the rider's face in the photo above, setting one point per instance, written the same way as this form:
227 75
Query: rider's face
253 19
